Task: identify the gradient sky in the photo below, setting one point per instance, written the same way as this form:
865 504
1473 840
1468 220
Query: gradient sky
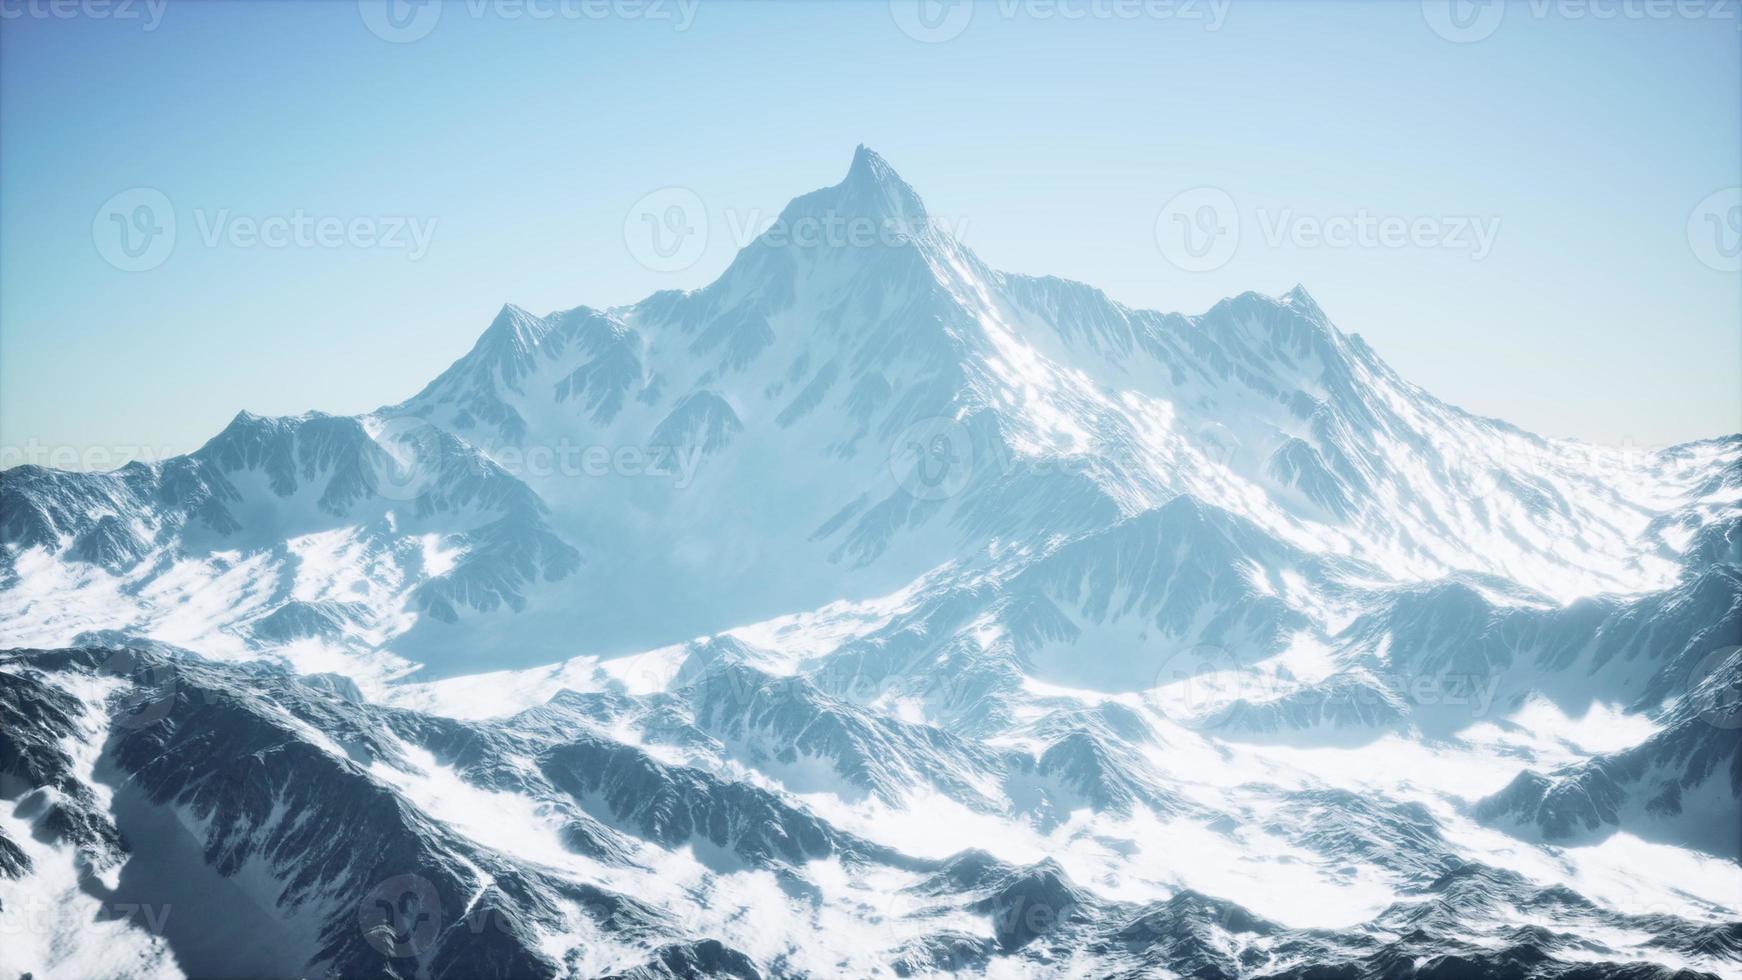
1051 144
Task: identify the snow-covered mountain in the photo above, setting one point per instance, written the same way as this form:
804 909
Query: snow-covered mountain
873 612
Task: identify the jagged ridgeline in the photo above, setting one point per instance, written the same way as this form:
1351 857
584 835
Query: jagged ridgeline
872 612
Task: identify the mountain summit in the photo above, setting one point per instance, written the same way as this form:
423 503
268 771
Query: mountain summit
872 187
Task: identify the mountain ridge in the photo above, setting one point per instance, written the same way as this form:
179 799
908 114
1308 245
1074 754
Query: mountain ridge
871 611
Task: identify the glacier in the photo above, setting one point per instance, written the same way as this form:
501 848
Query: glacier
872 612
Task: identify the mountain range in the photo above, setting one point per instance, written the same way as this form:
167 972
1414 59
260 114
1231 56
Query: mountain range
872 612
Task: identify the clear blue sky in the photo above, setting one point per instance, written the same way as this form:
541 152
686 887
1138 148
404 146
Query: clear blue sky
1052 143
